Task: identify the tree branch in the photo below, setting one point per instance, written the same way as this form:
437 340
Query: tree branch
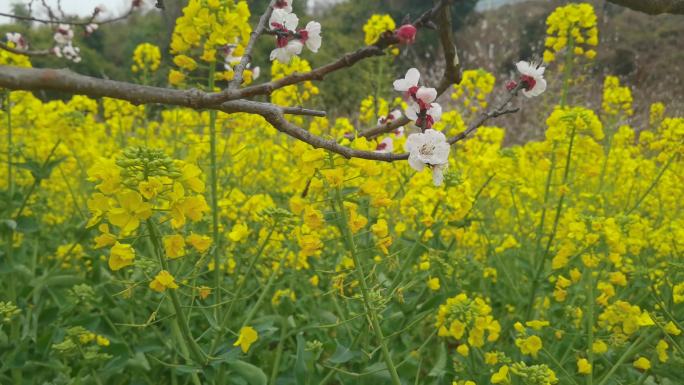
23 51
347 60
653 7
33 79
452 72
499 110
254 36
90 20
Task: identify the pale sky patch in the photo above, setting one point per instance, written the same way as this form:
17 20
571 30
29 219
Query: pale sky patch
73 7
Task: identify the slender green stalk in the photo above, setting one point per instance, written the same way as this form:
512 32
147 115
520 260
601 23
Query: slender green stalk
542 261
633 348
279 351
17 376
36 181
365 292
567 70
238 290
213 180
187 341
590 326
654 183
540 228
608 148
175 330
262 296
10 177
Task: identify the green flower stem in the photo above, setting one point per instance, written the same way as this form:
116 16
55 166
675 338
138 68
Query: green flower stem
567 70
590 326
10 177
654 183
17 376
36 182
375 323
542 261
213 180
633 348
238 290
262 296
279 351
412 251
175 330
187 342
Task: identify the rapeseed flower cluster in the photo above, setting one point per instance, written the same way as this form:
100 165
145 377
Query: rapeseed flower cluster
492 277
571 27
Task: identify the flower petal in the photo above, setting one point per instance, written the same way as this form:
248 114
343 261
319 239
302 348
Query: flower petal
435 111
412 76
416 163
412 111
427 95
291 21
524 67
438 174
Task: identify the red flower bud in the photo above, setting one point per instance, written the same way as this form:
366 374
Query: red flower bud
511 84
406 34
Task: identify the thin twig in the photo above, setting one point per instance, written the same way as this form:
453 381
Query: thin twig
254 36
24 51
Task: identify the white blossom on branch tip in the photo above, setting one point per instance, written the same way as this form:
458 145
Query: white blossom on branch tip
64 34
283 4
409 81
532 78
431 149
282 20
385 146
17 39
90 28
285 53
392 116
311 36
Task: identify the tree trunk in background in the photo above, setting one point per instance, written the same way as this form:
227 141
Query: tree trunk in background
653 7
172 11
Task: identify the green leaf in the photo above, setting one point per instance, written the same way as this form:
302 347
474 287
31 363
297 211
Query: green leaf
38 170
7 225
139 361
301 367
27 225
439 370
342 354
252 374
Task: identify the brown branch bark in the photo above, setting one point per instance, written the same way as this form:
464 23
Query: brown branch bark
653 7
347 60
254 36
63 80
31 79
54 20
23 51
452 72
500 109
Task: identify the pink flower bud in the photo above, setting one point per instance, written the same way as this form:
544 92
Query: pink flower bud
511 84
406 34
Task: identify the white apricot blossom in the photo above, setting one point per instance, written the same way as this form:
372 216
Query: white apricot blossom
283 4
385 146
63 35
17 39
409 82
421 107
532 78
431 149
392 116
311 36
